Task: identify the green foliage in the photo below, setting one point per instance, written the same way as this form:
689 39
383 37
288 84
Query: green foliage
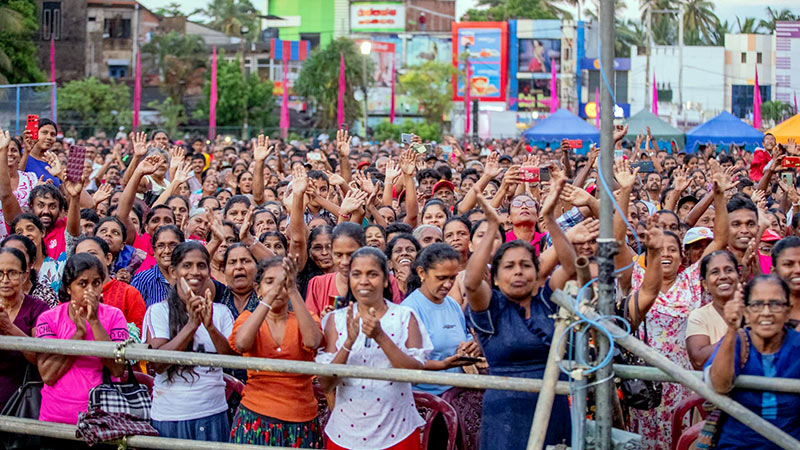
229 16
235 93
180 61
430 83
173 9
774 16
172 115
426 131
386 130
502 10
776 111
95 105
318 81
18 25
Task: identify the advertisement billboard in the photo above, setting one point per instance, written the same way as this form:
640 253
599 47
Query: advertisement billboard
485 44
379 95
387 16
423 48
534 94
537 55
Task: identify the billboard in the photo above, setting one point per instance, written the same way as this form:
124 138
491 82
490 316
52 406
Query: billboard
534 94
379 95
387 16
787 60
485 44
422 48
538 55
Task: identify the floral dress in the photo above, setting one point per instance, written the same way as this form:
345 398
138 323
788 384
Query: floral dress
666 332
27 181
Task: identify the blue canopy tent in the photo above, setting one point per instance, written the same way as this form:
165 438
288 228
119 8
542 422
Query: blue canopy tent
562 124
723 130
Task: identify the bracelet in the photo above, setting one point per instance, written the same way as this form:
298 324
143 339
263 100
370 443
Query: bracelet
346 349
345 216
269 307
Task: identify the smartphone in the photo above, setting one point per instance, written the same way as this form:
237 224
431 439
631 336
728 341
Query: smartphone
333 301
405 138
788 177
75 162
446 148
428 147
544 173
791 161
644 166
619 154
469 359
575 143
419 148
530 174
314 156
33 126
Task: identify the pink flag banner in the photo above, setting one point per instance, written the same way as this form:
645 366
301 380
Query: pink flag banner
756 104
468 99
342 87
554 103
795 103
285 99
212 101
597 107
137 91
391 110
655 95
53 105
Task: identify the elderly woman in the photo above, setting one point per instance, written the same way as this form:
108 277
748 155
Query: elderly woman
772 352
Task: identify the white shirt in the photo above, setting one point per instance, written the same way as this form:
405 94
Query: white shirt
374 414
188 396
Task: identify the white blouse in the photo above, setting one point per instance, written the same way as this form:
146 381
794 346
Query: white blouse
374 414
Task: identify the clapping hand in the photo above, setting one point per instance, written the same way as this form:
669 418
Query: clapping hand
371 324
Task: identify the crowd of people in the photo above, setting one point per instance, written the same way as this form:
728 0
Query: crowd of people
377 254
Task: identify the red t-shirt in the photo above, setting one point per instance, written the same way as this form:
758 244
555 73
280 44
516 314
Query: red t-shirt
127 299
55 240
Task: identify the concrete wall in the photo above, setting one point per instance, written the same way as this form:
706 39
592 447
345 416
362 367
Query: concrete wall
70 48
737 72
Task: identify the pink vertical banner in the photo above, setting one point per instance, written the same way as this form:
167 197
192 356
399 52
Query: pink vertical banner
597 107
342 87
655 94
53 105
391 111
756 104
285 99
795 103
468 99
554 103
137 91
212 101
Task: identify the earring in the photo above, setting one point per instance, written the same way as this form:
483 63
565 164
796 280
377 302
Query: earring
422 279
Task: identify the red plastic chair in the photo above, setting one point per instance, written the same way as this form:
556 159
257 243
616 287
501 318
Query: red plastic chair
232 384
142 378
468 404
689 436
685 407
430 406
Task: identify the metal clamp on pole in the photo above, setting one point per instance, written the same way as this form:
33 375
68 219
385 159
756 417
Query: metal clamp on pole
119 352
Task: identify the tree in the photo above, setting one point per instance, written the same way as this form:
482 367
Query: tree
180 60
95 105
171 114
18 25
748 26
773 16
501 10
318 81
229 16
430 83
699 18
235 93
173 9
776 111
721 30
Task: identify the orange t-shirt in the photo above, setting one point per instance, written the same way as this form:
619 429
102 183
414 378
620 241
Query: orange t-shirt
320 290
284 396
127 298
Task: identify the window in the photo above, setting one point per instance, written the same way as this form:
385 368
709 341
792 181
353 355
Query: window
742 98
117 71
744 58
313 39
117 28
758 58
51 20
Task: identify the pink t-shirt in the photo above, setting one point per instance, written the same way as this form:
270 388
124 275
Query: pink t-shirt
69 396
511 236
143 242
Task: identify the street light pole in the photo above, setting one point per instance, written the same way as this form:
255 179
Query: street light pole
366 48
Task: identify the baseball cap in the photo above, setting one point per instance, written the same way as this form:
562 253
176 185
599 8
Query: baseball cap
697 234
507 158
363 164
770 236
444 184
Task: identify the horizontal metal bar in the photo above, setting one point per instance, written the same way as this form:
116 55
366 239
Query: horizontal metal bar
49 83
142 353
67 432
790 385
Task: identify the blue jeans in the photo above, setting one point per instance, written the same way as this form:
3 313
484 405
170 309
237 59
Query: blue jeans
213 428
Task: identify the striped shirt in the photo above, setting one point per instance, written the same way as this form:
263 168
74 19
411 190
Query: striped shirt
152 285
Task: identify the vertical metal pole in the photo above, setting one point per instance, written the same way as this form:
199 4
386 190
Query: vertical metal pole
647 78
607 247
681 107
364 80
16 127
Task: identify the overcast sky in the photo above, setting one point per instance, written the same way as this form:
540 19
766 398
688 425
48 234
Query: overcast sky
726 9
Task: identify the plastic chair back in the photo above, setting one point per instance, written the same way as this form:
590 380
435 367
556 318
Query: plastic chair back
429 406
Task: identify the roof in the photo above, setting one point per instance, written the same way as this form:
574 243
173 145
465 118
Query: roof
661 130
563 124
789 128
725 129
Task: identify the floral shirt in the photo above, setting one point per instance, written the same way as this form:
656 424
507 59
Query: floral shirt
27 181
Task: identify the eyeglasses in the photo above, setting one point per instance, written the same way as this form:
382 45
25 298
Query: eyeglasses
518 203
11 274
162 246
774 306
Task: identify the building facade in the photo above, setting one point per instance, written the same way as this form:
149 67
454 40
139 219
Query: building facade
744 53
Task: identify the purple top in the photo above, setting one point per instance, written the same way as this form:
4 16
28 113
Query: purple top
12 363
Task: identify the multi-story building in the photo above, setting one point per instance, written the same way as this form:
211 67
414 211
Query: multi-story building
744 53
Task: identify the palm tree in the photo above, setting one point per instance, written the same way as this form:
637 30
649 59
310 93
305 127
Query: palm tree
229 16
630 33
720 31
774 15
699 16
749 26
619 9
11 22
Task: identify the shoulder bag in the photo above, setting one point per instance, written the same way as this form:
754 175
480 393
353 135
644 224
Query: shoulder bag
128 397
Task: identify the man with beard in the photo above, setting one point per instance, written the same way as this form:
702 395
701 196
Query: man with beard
652 185
48 204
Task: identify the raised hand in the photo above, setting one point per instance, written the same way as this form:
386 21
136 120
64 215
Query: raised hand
290 269
791 147
639 140
176 156
54 166
653 235
733 311
409 163
182 175
244 231
620 134
622 172
139 141
299 179
262 148
576 196
343 140
5 138
491 214
393 172
353 200
492 168
335 179
586 231
679 179
149 165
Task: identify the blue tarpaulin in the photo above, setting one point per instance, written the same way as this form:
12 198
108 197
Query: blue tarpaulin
723 130
562 124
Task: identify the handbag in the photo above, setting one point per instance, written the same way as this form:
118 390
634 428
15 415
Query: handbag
636 393
25 403
709 434
128 397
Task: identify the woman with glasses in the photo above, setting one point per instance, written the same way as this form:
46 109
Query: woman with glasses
154 283
524 216
771 351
